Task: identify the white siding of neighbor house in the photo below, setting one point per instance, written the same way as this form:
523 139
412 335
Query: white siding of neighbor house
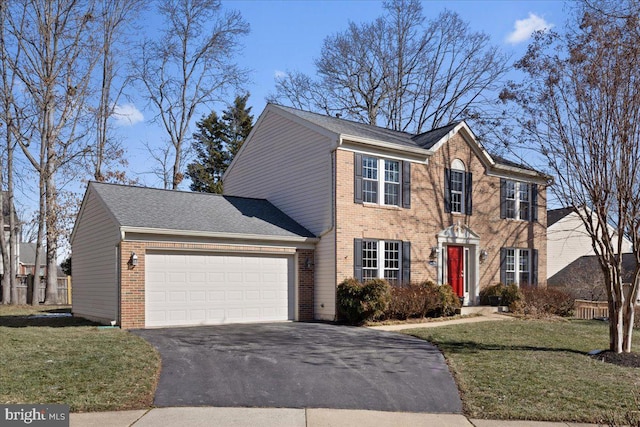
568 240
95 281
291 166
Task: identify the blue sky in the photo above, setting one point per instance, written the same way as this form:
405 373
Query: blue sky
288 35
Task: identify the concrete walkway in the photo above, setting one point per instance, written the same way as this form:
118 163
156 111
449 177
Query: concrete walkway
285 417
483 318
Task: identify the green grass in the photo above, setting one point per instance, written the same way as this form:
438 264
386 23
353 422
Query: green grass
536 370
71 361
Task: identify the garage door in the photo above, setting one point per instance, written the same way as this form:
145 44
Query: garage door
201 289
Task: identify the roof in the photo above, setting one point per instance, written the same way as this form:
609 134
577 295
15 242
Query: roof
586 269
555 215
152 208
28 254
426 140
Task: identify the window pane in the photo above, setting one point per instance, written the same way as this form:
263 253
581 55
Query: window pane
524 266
456 190
524 201
369 259
391 194
391 182
369 191
510 266
369 168
370 179
392 262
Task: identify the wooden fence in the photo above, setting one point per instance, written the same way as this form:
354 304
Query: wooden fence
591 309
64 290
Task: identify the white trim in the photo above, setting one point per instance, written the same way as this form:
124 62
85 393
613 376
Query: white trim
218 235
461 235
394 154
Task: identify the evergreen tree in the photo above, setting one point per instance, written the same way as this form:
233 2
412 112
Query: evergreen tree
216 141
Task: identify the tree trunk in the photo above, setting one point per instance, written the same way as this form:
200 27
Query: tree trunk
51 287
13 229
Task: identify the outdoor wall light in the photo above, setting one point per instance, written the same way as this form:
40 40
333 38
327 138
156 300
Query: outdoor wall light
308 263
483 255
434 253
134 259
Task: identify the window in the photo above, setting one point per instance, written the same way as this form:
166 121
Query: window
369 259
518 200
384 259
390 178
370 180
519 266
457 189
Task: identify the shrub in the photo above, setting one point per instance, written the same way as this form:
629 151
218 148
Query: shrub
510 295
545 302
413 301
449 301
358 302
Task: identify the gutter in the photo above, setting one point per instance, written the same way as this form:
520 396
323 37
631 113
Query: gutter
219 235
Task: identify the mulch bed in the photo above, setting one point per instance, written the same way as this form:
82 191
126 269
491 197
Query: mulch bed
628 360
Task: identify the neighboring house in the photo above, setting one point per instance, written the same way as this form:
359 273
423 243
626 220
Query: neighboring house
568 240
147 258
27 259
434 206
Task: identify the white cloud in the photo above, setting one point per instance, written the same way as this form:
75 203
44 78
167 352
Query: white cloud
523 28
127 115
279 74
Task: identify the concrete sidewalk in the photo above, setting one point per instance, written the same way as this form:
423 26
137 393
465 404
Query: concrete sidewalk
489 317
286 417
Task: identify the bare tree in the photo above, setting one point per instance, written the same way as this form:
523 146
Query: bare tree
8 119
400 71
190 65
54 71
580 106
115 18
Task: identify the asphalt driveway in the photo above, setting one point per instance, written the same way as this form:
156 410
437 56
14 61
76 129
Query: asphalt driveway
301 365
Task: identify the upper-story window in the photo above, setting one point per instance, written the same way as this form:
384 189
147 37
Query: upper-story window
382 181
457 189
518 200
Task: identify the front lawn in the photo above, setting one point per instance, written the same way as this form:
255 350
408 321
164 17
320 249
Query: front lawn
537 370
57 359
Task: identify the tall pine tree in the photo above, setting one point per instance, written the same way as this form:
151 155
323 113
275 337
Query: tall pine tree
216 142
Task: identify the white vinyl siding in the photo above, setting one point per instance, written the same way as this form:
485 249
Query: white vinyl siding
289 165
95 263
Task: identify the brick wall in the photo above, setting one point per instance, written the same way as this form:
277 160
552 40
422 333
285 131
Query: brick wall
132 294
426 218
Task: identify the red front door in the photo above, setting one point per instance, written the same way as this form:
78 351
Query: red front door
455 269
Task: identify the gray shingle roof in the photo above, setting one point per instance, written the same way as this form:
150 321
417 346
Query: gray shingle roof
200 212
28 254
424 140
555 215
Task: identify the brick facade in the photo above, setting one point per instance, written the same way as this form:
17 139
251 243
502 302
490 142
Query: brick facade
421 223
132 278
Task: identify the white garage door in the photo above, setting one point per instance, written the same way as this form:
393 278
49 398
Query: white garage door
200 289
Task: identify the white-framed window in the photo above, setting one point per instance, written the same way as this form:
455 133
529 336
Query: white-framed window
517 200
370 179
382 259
457 189
517 266
380 181
369 259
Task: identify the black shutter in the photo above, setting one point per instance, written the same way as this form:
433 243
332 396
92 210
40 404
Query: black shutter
534 268
406 184
503 265
406 263
468 200
503 198
357 166
357 259
534 202
447 194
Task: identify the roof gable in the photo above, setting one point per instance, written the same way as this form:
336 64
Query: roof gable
426 143
155 209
